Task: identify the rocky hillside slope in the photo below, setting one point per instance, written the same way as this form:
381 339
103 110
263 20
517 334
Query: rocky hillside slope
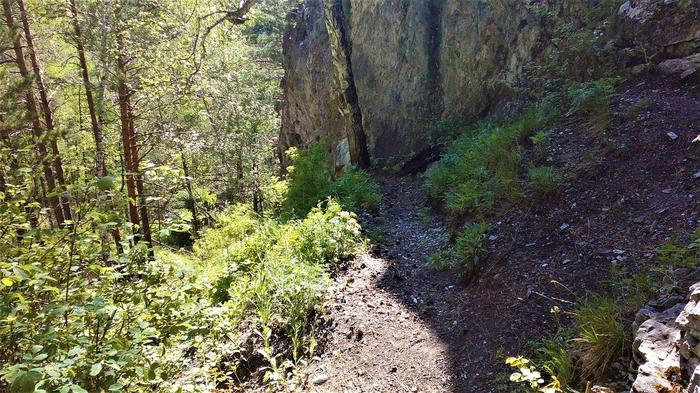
373 78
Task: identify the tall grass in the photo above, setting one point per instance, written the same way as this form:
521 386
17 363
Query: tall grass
601 335
592 100
544 181
468 248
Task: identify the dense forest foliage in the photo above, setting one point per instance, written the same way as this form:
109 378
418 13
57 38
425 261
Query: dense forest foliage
145 240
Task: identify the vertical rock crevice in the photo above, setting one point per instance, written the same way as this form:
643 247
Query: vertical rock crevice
434 49
342 57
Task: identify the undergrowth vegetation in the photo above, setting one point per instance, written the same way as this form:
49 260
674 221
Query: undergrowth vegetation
544 180
468 248
311 180
179 322
596 337
482 167
592 101
243 305
275 279
487 166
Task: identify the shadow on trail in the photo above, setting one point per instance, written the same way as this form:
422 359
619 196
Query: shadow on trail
479 324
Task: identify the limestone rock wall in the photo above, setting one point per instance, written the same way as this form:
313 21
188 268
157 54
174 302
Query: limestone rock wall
373 77
412 62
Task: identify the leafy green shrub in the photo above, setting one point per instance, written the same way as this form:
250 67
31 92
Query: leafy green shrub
441 260
481 168
309 178
232 225
592 99
475 171
356 190
325 237
544 180
468 248
601 335
277 277
310 182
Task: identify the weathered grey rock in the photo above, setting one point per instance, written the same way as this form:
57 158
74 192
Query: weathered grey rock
695 292
664 310
689 319
694 380
312 105
382 74
688 347
665 302
655 350
663 28
412 63
682 68
319 379
667 346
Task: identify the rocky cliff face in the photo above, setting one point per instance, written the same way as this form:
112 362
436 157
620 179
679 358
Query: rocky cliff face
372 78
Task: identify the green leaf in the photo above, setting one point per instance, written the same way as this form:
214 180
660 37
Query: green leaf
106 183
115 387
77 389
40 357
26 382
95 369
7 282
74 351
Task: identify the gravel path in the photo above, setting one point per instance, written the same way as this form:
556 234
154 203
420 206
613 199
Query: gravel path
379 342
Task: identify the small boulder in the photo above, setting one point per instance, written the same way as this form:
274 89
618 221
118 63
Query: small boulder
656 350
638 70
676 66
319 379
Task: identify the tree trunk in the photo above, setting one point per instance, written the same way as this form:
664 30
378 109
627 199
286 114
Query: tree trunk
138 178
100 155
37 129
46 108
127 140
188 185
145 222
95 122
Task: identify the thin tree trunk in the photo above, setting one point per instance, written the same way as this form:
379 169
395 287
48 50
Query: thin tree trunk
5 140
96 123
127 140
138 178
100 155
46 108
143 209
196 225
37 129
